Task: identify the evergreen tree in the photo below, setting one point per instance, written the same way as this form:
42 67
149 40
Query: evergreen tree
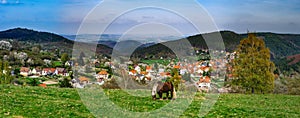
252 68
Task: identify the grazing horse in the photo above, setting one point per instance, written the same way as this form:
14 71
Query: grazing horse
161 88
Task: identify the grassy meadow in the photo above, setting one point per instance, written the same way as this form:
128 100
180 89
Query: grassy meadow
17 101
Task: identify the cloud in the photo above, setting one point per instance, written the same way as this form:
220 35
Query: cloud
3 1
10 2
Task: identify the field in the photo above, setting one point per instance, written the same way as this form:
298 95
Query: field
57 64
60 102
160 61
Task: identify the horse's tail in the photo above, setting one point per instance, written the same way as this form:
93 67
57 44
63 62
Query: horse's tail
174 93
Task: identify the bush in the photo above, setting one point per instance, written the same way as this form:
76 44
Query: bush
65 83
287 86
33 81
294 86
280 87
112 84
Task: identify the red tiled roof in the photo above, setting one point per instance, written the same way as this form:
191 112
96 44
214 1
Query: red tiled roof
162 74
144 73
43 85
148 67
103 72
83 79
177 66
205 79
133 71
52 69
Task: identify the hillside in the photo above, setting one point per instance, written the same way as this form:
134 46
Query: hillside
26 102
281 45
22 34
22 38
294 59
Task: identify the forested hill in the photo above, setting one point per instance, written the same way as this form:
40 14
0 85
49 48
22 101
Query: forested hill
22 34
281 45
22 38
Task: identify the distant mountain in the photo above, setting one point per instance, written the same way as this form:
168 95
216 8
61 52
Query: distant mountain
281 45
111 40
93 37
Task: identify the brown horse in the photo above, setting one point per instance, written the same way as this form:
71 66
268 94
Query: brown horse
161 88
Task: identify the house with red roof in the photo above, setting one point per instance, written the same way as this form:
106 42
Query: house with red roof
48 71
102 75
25 71
204 82
61 71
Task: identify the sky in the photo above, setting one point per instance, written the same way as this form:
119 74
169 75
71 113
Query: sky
66 16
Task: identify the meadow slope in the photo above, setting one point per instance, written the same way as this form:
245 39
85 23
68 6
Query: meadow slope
60 102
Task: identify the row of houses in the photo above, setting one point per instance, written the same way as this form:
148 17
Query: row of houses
26 71
202 71
82 81
197 70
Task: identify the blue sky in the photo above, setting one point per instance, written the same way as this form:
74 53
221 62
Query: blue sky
65 16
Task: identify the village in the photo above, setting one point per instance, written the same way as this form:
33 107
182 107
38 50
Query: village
204 73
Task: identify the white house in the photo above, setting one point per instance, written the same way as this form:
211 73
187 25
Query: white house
183 71
69 63
61 71
137 69
33 71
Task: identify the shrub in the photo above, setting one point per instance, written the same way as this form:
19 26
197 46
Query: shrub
65 83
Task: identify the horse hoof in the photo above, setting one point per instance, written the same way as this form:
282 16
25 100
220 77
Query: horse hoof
161 99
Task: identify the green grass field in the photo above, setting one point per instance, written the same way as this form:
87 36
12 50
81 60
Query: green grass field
160 61
57 64
59 102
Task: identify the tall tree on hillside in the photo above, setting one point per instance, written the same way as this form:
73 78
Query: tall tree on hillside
64 58
252 68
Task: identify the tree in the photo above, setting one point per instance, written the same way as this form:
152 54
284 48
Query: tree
252 68
65 83
5 76
175 79
64 58
35 50
80 59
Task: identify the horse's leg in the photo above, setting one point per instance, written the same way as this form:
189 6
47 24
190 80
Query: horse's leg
167 94
160 95
172 91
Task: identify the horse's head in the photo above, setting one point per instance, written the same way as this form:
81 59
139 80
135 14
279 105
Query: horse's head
154 91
